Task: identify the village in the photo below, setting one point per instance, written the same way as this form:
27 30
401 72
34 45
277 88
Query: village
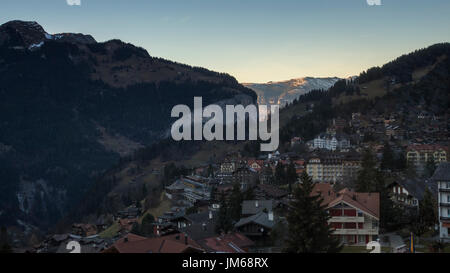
241 204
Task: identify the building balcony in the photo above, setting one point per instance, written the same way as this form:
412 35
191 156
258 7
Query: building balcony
444 190
445 218
447 205
346 219
356 232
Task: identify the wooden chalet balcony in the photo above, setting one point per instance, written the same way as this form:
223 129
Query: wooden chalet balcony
346 219
356 232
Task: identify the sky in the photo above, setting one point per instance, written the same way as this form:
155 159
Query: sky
253 40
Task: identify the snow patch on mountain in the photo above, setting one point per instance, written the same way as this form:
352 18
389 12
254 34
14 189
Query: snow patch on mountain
285 92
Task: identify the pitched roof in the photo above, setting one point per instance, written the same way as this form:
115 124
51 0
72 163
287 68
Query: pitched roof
442 173
200 217
366 202
261 219
255 206
132 243
229 243
272 191
415 187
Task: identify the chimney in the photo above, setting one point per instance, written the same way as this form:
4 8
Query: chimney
270 215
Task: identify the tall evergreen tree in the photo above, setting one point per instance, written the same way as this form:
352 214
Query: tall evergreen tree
369 176
224 223
280 175
387 162
400 162
291 176
430 167
235 205
309 231
428 209
249 194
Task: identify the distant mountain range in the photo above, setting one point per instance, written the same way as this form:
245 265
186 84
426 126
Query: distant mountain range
287 91
70 107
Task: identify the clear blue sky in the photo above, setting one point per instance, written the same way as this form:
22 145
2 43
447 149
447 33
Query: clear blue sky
253 40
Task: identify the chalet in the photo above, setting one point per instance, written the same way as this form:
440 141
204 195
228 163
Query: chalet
198 225
257 225
256 165
296 141
407 192
131 212
127 224
354 216
189 189
269 192
252 207
84 230
167 224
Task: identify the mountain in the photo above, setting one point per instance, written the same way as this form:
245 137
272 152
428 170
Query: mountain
407 86
421 82
71 107
287 91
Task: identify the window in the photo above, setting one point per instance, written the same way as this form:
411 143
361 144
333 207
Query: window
448 185
350 225
360 214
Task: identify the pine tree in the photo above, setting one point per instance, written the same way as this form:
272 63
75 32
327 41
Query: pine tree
224 223
309 231
280 175
387 162
249 194
428 209
291 176
146 227
369 176
430 167
236 202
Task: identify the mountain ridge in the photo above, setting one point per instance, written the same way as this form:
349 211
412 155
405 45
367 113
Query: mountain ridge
284 92
71 107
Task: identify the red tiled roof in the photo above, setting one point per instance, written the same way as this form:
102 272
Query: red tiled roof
366 202
168 244
230 243
259 162
425 147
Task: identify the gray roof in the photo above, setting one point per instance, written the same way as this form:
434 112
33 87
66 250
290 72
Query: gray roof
261 219
415 187
200 217
200 231
251 207
442 173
